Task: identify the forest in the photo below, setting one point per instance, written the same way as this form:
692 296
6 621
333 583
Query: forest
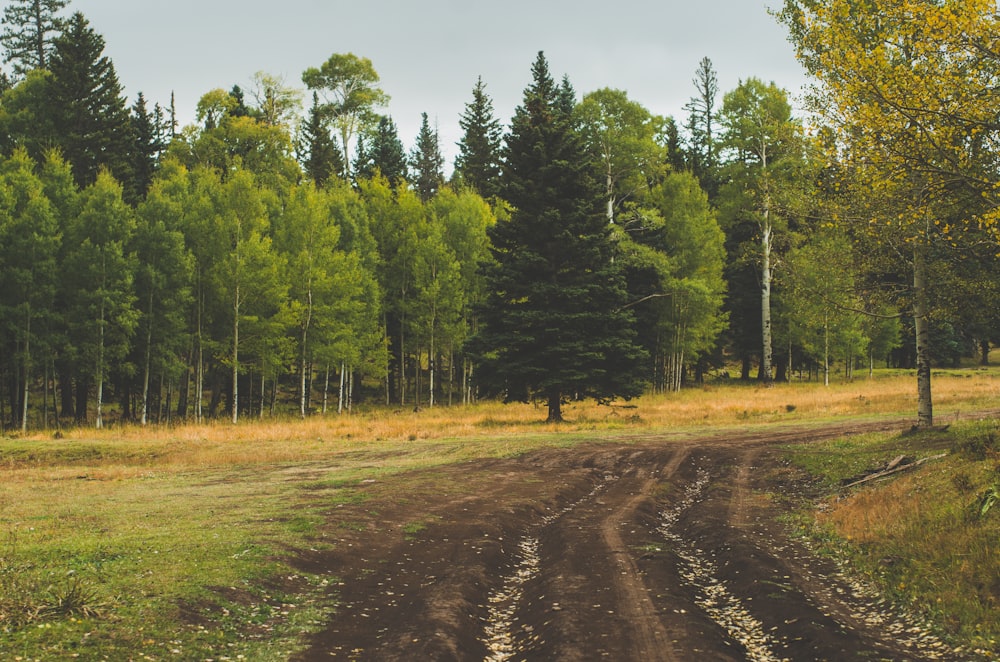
286 254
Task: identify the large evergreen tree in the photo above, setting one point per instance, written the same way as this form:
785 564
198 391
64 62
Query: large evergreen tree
554 322
29 28
316 149
91 120
382 152
145 149
703 120
478 161
426 161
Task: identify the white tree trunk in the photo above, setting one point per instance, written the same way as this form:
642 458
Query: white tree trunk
27 371
925 409
236 355
303 398
100 371
144 417
340 403
765 300
326 388
826 351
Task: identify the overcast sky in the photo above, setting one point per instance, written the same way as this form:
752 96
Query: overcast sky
430 52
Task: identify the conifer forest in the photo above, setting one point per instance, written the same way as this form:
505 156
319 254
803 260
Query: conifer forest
287 255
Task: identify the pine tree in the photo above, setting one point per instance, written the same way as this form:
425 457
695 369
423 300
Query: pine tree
91 120
426 161
144 152
382 152
702 122
317 151
29 26
478 162
554 322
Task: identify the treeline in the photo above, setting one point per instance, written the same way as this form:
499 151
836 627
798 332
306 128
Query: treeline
266 259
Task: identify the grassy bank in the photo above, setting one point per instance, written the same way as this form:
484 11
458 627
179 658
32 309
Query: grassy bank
928 538
157 543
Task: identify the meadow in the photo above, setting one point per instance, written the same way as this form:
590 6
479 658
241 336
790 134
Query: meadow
155 543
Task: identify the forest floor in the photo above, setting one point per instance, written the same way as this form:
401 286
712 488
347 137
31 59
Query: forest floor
655 548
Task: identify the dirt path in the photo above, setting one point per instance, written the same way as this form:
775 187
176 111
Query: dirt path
655 550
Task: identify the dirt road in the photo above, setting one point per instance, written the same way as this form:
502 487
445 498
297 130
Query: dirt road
658 549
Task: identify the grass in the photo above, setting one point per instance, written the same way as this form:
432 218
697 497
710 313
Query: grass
923 536
149 543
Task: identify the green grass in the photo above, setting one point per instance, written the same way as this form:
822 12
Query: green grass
178 543
165 565
921 536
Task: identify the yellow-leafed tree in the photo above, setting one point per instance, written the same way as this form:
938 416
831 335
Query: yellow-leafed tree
909 89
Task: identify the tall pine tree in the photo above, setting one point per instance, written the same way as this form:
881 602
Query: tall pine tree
427 162
382 152
554 324
144 150
29 28
316 149
91 120
478 162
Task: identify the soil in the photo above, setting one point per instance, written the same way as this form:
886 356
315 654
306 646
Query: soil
655 549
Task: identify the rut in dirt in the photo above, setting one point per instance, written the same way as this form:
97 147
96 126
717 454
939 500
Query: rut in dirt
640 552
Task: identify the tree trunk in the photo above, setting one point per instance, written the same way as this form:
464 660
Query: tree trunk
765 301
610 192
350 390
925 409
100 371
326 388
55 410
143 418
67 404
199 387
430 368
236 355
451 376
826 351
555 408
791 364
27 372
303 404
263 393
343 385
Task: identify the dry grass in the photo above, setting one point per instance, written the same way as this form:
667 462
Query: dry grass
282 440
921 536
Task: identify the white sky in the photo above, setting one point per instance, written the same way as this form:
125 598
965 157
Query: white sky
429 52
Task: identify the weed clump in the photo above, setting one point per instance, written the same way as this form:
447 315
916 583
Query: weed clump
977 446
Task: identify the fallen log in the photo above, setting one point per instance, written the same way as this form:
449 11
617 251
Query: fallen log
894 467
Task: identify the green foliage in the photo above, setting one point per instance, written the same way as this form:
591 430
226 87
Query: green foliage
554 322
348 87
621 137
316 150
99 272
380 153
427 162
29 28
674 256
90 118
478 162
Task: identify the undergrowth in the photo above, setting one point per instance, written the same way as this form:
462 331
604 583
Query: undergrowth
929 537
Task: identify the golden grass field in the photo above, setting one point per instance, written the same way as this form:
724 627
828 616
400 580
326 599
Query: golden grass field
485 425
